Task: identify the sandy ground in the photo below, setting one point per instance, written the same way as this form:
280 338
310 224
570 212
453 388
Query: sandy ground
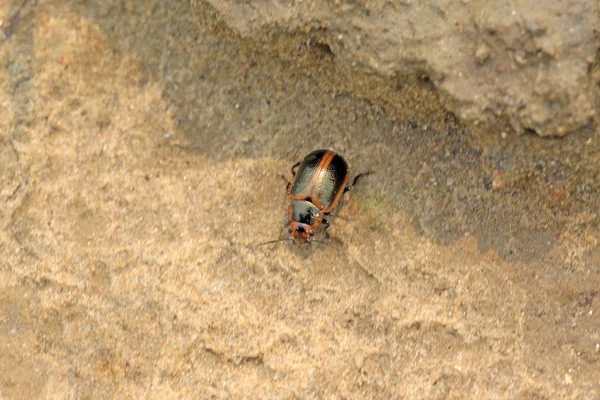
140 166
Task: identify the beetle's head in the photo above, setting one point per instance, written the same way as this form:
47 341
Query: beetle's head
301 233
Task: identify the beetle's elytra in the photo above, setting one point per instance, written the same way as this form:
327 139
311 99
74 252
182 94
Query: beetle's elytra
315 191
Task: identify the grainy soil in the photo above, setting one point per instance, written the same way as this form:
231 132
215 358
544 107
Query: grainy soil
140 166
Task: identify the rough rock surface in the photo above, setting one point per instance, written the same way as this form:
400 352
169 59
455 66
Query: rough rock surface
529 62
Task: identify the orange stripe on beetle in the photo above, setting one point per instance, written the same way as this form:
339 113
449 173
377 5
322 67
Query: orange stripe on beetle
315 191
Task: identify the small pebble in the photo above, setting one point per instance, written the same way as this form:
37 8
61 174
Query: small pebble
568 379
358 361
482 53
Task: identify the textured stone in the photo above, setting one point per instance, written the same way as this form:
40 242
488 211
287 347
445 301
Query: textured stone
528 63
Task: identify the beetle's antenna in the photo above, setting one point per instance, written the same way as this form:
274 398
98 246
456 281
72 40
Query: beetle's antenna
274 241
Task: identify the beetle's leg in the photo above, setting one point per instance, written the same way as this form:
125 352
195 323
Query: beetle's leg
325 229
356 178
294 167
289 183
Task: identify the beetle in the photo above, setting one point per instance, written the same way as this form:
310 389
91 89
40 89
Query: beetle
316 189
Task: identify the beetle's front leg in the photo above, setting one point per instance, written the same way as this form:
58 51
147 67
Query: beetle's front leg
336 216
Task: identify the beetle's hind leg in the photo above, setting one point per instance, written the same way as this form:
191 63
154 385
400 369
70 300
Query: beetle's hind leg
356 178
289 183
294 167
